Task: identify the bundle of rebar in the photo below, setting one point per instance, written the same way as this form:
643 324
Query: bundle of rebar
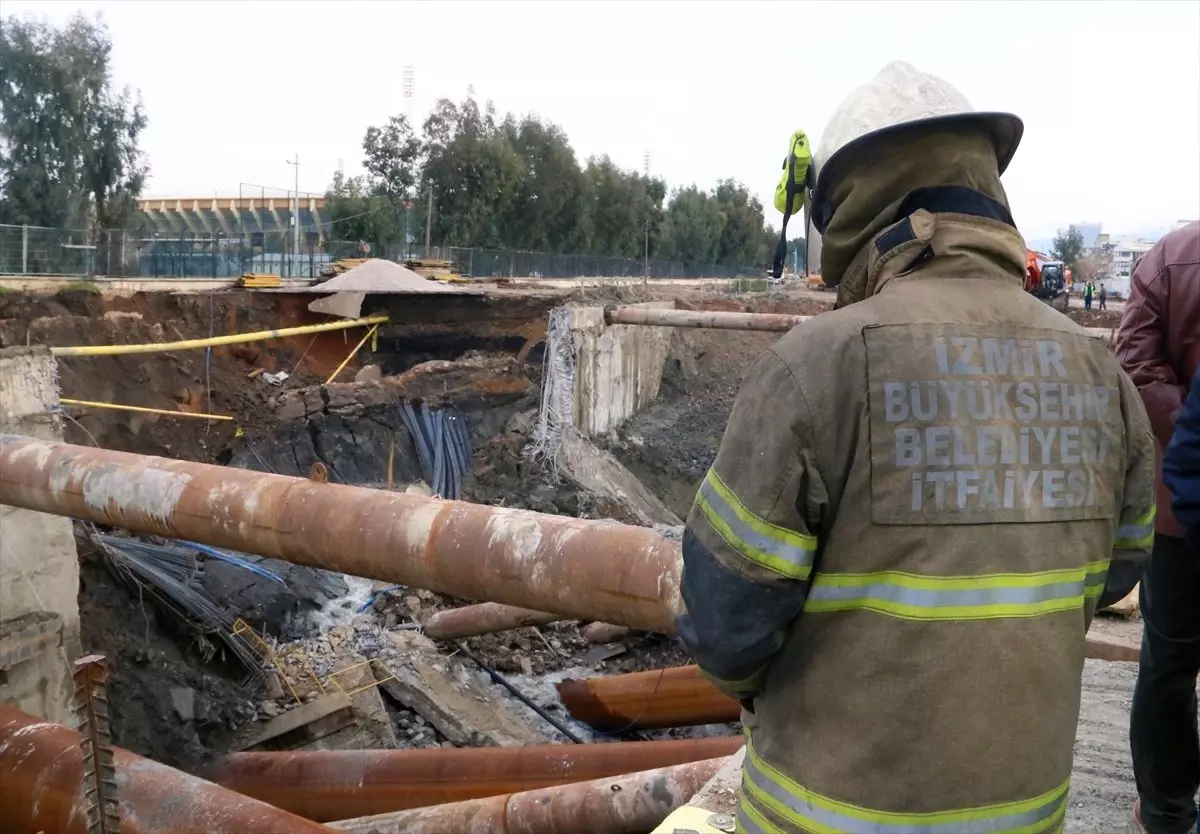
169 573
443 446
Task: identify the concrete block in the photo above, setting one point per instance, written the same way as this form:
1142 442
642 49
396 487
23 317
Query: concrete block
618 369
39 568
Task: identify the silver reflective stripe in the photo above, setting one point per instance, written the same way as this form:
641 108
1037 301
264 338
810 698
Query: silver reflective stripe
808 811
1135 532
956 598
746 823
797 557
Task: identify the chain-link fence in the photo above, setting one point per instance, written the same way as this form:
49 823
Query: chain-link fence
34 250
122 253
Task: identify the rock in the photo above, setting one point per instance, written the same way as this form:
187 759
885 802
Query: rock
419 488
183 702
269 708
368 373
603 632
526 666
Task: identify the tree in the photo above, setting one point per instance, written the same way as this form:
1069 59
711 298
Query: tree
742 232
392 159
694 226
360 217
1068 247
69 154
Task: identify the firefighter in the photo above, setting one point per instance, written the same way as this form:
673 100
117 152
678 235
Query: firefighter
896 555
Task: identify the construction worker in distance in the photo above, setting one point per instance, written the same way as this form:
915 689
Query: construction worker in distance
897 553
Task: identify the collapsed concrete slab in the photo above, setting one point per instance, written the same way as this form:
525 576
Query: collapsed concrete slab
442 692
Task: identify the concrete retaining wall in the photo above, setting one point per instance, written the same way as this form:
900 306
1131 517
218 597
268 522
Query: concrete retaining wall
618 369
39 568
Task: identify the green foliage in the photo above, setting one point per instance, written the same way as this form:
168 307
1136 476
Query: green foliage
392 158
1068 247
69 153
516 183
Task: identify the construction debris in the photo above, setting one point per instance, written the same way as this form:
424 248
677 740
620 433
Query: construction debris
307 723
443 693
334 785
253 280
615 805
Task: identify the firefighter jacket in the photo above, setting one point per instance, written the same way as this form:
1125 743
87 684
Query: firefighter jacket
897 553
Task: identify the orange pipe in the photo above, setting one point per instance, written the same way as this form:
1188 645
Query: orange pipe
327 785
628 804
483 618
41 790
515 557
682 697
678 697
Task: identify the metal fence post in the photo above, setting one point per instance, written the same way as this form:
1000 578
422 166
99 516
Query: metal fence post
24 250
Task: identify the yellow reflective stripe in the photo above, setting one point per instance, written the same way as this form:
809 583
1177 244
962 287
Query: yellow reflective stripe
985 596
1097 575
751 821
775 548
1137 534
819 814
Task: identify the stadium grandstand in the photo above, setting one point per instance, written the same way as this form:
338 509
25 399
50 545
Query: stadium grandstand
254 231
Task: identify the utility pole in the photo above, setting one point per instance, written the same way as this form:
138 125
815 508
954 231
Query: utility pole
296 218
429 220
410 89
646 251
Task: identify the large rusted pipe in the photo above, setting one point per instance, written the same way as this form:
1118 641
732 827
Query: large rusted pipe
483 618
338 784
41 790
619 805
718 320
542 562
682 697
660 317
678 697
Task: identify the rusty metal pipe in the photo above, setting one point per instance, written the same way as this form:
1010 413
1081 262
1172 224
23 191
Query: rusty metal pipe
627 804
483 618
41 790
678 697
658 317
327 785
682 697
516 557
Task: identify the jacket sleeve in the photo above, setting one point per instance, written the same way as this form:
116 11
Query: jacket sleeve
1135 526
750 542
1181 464
1142 345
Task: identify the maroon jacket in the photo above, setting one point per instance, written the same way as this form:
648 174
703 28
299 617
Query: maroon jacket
1159 340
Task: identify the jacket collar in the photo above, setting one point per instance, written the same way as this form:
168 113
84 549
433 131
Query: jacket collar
943 231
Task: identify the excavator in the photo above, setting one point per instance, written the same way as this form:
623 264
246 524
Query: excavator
1047 279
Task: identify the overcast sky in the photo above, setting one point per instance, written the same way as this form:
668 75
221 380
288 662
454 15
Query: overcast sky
1109 91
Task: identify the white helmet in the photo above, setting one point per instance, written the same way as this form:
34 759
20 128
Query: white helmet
898 98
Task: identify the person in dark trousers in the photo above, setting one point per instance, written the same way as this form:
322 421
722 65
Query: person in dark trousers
1103 297
1158 344
1089 290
